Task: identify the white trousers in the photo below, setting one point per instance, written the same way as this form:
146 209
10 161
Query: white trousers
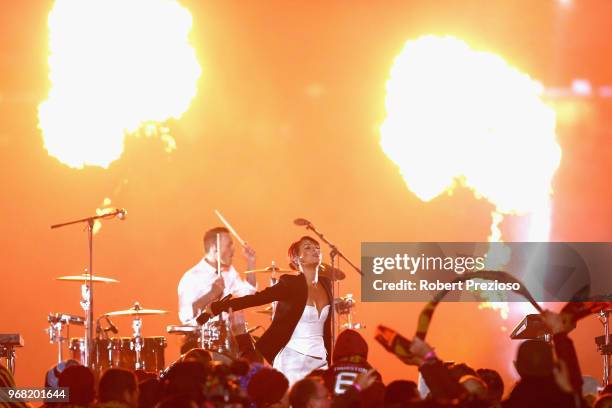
295 366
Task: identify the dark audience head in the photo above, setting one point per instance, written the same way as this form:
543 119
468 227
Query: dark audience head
150 392
603 401
400 392
186 379
325 375
142 375
534 359
607 390
178 401
350 344
52 376
459 370
268 386
240 367
495 384
118 384
475 386
373 396
309 393
80 383
198 355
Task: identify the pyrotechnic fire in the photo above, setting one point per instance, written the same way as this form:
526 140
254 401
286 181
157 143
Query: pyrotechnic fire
103 209
459 116
114 65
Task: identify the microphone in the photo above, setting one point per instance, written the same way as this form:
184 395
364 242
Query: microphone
301 222
111 326
121 213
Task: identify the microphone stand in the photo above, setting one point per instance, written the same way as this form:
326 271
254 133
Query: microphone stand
87 303
333 253
334 249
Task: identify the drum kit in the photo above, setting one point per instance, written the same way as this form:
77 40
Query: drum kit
147 353
135 352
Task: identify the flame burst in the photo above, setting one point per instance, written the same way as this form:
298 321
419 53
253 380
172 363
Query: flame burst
105 208
114 65
458 116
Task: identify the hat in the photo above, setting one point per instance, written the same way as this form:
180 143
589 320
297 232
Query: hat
350 343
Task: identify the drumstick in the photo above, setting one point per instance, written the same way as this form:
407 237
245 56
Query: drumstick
229 227
219 254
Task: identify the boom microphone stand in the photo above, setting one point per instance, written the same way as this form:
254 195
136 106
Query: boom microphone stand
87 302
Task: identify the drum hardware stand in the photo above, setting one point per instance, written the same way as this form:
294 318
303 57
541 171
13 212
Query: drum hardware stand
100 333
333 253
202 337
334 322
56 325
87 289
605 348
349 316
137 342
8 352
55 337
349 303
87 305
209 333
8 342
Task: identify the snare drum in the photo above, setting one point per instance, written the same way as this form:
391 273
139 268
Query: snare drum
123 353
215 337
100 354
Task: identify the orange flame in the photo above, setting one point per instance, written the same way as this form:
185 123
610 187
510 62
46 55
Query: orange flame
114 65
104 209
459 116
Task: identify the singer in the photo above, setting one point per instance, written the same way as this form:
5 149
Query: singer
298 340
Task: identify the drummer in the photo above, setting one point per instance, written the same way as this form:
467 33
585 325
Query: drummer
202 285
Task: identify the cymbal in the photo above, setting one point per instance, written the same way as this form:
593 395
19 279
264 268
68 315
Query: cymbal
326 270
267 311
85 278
136 310
271 269
182 329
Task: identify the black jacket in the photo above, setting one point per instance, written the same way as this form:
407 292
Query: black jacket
538 393
291 292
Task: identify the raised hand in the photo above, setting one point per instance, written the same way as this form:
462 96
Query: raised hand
250 255
364 380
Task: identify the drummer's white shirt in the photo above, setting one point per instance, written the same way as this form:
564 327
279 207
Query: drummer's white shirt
198 281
